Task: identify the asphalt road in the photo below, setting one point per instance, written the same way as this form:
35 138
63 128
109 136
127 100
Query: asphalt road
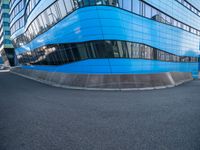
34 116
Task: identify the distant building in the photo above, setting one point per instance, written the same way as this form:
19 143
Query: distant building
107 36
6 47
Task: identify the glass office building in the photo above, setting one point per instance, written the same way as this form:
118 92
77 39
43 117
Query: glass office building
6 47
106 36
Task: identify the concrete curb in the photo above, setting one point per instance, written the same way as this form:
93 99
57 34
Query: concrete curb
103 89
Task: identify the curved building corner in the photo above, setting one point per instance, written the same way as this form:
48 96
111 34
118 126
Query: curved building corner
107 43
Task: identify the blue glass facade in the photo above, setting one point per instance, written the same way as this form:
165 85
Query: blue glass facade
107 36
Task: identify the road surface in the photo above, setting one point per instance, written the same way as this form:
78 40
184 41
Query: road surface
34 116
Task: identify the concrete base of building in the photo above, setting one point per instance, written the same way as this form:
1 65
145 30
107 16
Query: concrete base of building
106 81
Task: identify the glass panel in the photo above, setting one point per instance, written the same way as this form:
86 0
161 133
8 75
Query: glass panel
50 17
93 2
86 2
40 21
120 3
68 5
127 4
44 19
142 51
62 8
54 13
147 11
136 6
113 2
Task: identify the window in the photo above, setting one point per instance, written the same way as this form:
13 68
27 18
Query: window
31 32
123 53
62 8
135 51
113 3
148 52
6 24
67 53
45 19
93 2
69 5
162 17
50 17
127 5
147 11
7 33
142 51
40 23
31 5
154 14
168 20
136 6
5 6
189 6
54 12
6 41
120 3
82 52
86 2
115 49
35 29
18 8
6 15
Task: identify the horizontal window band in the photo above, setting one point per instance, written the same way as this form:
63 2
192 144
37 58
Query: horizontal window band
59 54
189 6
16 10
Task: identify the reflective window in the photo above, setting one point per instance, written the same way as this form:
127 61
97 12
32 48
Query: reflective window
189 6
31 5
127 5
147 11
69 5
86 2
136 6
66 53
45 19
18 8
62 7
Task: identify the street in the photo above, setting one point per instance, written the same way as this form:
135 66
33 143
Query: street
35 116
